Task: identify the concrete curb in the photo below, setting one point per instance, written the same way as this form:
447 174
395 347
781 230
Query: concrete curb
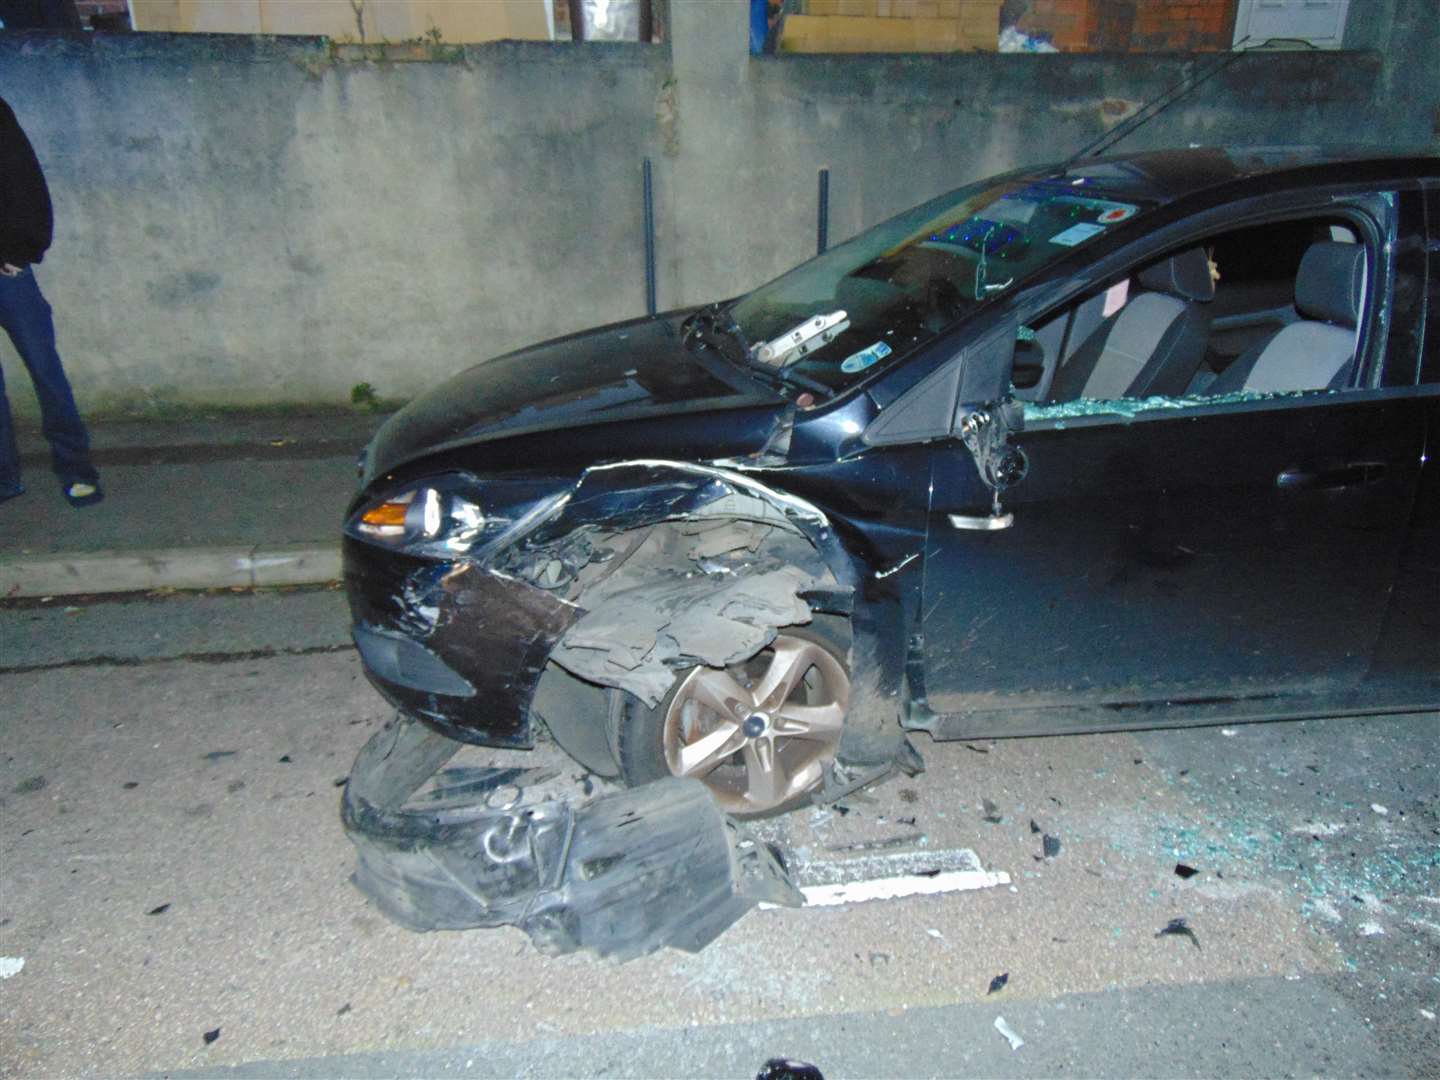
250 566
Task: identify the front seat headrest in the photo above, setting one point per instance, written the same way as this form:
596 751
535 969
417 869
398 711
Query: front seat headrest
1185 274
1331 282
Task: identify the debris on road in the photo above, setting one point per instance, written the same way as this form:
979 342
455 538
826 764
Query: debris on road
1011 1037
1381 810
998 983
160 910
888 843
1050 845
1371 929
1185 872
853 881
1179 927
571 876
788 1069
11 966
991 812
211 1035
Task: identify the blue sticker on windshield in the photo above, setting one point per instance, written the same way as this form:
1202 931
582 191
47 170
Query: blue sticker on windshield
865 358
1077 233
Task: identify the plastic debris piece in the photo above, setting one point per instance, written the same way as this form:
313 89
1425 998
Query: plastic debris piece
1229 732
992 812
11 966
935 933
1011 1037
1051 845
1382 811
927 883
1185 872
343 1009
284 759
211 1035
998 983
216 755
571 876
1371 929
339 781
788 1069
159 910
903 840
130 785
1427 1014
977 749
1178 927
1033 827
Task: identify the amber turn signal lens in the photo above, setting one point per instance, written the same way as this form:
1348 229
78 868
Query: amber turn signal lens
390 513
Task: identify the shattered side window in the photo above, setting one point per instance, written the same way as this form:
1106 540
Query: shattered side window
1269 311
1129 408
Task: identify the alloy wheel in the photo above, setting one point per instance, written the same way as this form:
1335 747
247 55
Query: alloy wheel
759 734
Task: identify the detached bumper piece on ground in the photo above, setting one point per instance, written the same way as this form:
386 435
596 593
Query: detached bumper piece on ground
622 874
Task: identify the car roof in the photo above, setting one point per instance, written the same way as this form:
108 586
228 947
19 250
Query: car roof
1163 176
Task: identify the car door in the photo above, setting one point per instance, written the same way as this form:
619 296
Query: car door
1223 558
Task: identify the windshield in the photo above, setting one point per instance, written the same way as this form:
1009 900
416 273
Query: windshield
866 303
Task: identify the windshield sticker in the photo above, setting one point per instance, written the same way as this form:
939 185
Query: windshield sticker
865 358
1013 208
1115 298
1116 214
1076 234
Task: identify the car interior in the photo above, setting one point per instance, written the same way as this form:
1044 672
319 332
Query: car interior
1269 308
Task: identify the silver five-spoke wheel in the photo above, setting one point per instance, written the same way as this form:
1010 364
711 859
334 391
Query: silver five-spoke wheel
759 734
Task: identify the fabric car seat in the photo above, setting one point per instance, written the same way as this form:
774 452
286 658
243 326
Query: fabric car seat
1154 345
1317 352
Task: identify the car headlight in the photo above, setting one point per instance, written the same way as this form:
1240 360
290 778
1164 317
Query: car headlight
446 515
444 512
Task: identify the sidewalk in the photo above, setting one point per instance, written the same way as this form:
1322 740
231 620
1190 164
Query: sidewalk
205 501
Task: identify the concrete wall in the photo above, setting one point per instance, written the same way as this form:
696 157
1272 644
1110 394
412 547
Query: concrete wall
246 221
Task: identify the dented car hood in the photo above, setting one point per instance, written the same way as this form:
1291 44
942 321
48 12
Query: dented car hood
627 371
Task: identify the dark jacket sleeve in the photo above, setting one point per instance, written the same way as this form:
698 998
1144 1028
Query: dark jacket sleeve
27 222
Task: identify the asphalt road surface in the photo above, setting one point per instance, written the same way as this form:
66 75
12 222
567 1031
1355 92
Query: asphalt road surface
172 869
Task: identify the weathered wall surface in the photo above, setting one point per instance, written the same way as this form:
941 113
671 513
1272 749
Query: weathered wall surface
242 220
249 221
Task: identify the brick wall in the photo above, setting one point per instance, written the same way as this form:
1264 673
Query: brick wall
1128 25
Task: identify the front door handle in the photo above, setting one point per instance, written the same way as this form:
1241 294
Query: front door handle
1355 474
982 522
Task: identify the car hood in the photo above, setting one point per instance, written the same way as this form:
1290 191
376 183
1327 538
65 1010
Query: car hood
629 371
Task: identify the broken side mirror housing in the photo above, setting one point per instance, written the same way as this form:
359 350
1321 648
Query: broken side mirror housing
936 406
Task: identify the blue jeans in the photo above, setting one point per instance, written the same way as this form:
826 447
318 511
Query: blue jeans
25 315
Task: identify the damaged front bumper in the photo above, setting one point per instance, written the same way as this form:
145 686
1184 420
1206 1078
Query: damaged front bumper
594 583
460 647
623 874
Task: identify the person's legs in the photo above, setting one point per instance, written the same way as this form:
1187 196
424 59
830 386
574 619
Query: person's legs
25 315
10 484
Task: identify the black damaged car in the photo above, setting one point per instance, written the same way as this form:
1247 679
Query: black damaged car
1137 441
